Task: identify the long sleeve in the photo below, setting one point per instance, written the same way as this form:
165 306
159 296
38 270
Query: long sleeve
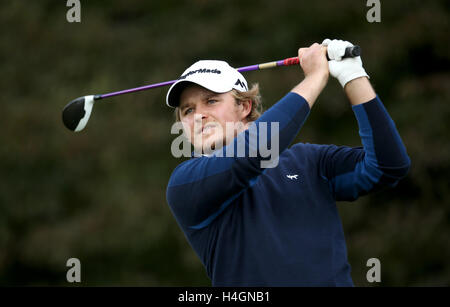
201 188
381 162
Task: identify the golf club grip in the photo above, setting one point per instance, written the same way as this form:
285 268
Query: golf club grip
350 52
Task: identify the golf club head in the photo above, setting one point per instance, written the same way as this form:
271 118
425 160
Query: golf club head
77 112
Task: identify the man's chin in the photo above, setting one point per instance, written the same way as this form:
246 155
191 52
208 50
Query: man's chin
211 143
209 147
207 150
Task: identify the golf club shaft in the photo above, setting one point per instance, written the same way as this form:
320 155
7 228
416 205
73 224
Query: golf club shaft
353 51
285 62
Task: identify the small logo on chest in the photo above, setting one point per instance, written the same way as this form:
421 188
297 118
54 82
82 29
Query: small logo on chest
292 177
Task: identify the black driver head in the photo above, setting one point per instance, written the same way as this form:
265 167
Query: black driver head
76 113
73 113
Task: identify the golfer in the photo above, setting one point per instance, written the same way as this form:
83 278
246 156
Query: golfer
276 224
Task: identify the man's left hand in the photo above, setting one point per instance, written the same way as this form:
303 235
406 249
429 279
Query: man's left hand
345 70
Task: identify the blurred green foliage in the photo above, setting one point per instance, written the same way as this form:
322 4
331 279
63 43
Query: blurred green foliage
99 195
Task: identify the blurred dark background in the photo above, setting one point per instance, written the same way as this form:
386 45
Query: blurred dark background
99 195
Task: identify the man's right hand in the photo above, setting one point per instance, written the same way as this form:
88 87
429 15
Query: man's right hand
314 63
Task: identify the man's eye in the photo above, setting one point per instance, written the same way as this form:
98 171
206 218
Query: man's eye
211 101
189 110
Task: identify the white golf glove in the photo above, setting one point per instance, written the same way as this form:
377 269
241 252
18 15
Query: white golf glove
345 70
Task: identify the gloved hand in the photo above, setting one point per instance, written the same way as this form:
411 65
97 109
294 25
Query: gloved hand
345 70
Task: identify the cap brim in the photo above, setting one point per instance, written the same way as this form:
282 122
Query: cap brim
173 95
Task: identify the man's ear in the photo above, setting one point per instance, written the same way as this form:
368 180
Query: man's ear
246 108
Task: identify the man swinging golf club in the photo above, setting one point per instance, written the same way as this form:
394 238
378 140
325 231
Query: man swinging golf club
277 225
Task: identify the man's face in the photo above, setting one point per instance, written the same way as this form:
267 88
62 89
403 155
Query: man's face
205 115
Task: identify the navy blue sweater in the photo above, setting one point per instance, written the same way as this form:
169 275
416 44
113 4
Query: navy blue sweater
254 226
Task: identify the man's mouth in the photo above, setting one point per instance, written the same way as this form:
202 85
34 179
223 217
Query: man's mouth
207 128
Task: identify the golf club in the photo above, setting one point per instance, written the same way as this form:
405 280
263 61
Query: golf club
76 113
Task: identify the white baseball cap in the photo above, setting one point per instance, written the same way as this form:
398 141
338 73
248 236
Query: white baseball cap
216 76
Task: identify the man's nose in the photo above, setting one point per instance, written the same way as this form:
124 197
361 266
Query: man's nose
201 113
199 117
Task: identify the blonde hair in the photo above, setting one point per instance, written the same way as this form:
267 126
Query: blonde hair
253 95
